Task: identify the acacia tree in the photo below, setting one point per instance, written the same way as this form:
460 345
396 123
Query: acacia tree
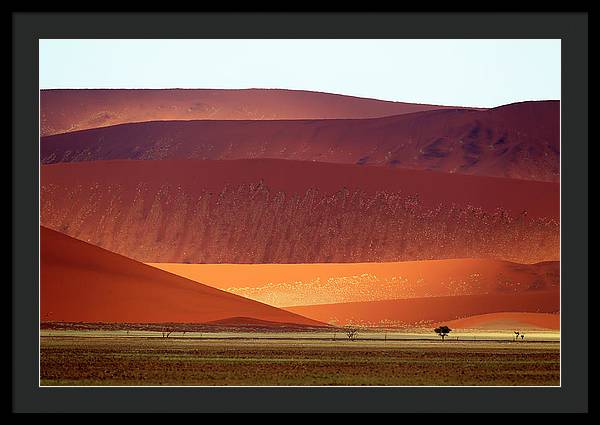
351 332
442 331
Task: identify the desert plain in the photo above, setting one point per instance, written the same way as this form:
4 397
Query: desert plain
297 359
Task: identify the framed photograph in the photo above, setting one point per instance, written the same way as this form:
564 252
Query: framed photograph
301 212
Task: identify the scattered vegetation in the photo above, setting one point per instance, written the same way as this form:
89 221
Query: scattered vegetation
149 361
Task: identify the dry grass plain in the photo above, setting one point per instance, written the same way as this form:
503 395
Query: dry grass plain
297 359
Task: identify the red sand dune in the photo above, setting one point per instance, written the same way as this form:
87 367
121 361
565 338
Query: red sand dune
512 320
80 282
420 311
255 324
517 141
274 211
283 285
79 109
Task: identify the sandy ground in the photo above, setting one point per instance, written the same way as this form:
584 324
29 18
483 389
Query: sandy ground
134 360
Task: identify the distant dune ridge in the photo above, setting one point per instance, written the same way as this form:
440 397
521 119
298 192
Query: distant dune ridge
520 141
80 109
275 211
284 285
426 311
511 320
80 282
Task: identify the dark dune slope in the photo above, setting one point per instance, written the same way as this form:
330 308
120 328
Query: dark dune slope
517 141
275 211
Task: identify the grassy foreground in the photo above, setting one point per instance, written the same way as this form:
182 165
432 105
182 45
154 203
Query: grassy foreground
134 360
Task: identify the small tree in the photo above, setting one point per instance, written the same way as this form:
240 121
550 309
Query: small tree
516 335
522 336
351 332
442 331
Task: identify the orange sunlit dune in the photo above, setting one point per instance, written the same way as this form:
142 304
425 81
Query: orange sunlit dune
306 284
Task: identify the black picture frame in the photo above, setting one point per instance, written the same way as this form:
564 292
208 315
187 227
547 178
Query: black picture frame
571 28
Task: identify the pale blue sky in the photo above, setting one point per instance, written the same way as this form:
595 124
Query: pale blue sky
483 73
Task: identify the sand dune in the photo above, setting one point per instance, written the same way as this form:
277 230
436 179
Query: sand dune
68 110
275 211
517 141
80 282
513 320
283 285
539 199
425 311
252 324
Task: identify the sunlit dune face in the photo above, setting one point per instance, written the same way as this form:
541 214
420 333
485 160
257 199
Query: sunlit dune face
306 284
